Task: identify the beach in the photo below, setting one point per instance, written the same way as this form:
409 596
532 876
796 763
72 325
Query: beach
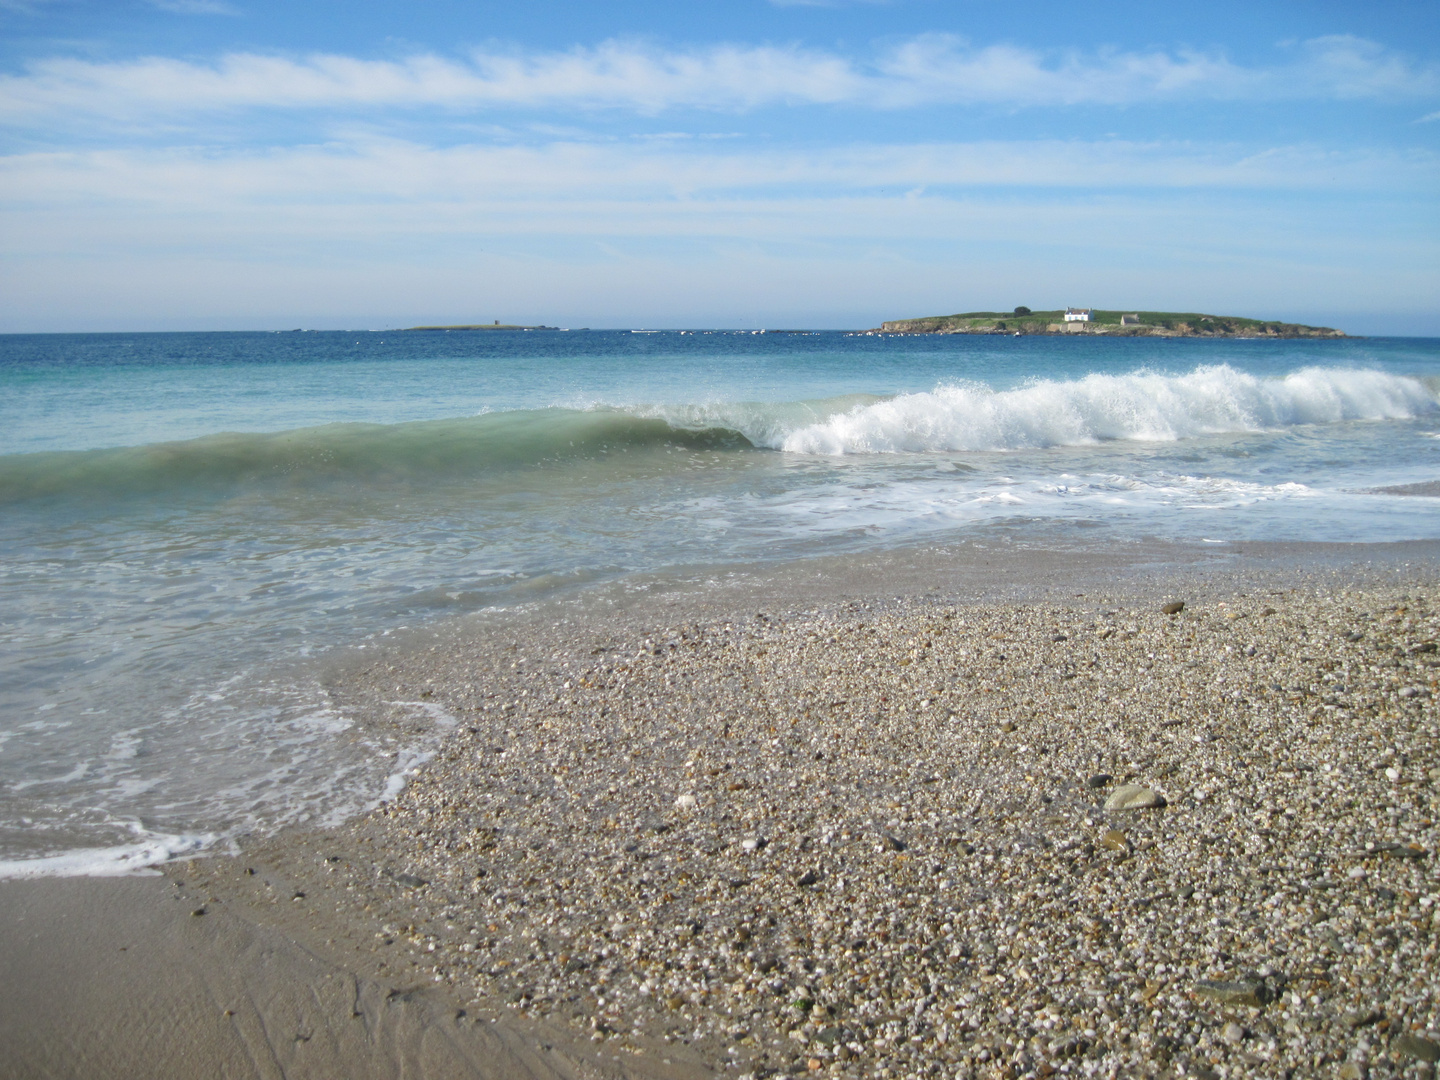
848 819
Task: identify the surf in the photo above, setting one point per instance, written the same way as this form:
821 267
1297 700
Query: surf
1143 406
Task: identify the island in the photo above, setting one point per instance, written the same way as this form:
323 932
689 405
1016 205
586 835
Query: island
496 325
1111 323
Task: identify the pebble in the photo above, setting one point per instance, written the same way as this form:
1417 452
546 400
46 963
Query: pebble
1238 992
1133 797
1099 780
1114 840
1417 1047
1174 607
1233 1033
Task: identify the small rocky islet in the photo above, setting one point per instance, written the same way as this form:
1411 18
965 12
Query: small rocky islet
923 840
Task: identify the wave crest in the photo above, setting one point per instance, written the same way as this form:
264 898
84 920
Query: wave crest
1144 406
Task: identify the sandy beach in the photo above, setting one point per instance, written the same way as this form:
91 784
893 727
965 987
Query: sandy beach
929 818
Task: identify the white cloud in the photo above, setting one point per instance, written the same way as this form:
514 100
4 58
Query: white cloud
930 69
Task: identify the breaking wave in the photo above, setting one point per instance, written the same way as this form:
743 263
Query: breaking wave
970 416
1142 406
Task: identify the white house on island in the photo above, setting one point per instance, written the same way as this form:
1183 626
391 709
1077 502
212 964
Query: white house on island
1077 314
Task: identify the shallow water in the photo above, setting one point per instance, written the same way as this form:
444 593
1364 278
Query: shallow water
189 521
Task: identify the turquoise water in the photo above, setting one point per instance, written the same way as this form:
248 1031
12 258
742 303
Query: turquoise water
187 521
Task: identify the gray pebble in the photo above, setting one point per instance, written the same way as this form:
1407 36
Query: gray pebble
1416 1046
1133 797
1238 992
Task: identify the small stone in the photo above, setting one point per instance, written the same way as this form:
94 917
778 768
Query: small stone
1233 1033
807 878
1099 780
893 843
1351 1070
686 802
1358 1019
1416 1046
198 912
1405 851
1174 607
1007 727
410 880
1114 840
1239 992
1133 797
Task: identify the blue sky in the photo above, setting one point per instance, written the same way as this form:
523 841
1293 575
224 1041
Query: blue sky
179 164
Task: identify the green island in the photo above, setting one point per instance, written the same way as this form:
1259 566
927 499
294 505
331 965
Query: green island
497 325
1111 323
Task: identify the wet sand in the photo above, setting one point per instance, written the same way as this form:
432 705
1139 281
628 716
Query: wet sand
118 978
605 871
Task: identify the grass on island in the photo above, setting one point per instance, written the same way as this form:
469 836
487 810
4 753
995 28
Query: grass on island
1026 321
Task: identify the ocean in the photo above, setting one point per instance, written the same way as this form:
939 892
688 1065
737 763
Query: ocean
192 525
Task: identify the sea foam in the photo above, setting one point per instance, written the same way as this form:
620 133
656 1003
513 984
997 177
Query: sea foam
1144 406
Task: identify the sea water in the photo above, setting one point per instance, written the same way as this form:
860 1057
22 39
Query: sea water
190 522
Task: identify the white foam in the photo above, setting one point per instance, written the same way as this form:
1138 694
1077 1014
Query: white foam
1143 406
119 861
407 765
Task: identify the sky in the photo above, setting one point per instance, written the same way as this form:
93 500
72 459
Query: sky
251 164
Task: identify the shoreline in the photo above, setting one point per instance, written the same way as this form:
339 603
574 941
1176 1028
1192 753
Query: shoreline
931 775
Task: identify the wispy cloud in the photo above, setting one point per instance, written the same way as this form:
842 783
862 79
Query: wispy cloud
195 7
925 70
829 3
695 176
631 228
